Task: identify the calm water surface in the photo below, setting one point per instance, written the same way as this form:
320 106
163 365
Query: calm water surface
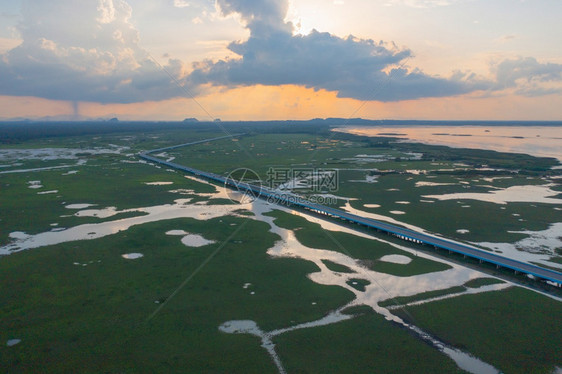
543 141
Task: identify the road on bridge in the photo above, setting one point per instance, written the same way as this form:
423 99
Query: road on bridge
283 198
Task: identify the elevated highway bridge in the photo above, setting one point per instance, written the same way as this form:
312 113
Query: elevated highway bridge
293 200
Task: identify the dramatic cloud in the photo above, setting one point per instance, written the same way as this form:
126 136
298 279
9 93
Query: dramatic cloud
355 68
82 51
89 51
261 17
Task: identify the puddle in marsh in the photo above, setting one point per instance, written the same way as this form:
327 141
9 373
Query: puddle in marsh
53 154
132 256
539 246
348 208
179 209
467 291
47 192
432 184
78 206
190 240
102 213
12 342
78 163
381 286
368 179
531 194
158 183
371 206
194 240
49 154
176 232
396 259
34 184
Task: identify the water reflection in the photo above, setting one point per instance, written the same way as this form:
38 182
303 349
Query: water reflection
514 194
381 286
179 209
541 141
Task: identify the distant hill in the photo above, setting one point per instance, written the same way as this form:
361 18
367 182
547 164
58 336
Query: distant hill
23 128
332 121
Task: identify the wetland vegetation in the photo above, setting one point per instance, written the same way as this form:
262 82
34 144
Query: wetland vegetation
80 306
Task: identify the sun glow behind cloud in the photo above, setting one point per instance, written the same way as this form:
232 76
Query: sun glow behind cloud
313 15
290 102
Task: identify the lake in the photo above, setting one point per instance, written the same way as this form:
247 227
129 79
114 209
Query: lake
544 141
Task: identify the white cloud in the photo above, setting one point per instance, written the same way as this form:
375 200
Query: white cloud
181 4
8 43
505 38
83 51
106 11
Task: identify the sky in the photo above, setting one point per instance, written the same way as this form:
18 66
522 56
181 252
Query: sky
281 59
